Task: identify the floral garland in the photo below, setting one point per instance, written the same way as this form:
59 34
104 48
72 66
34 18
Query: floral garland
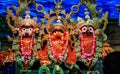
24 53
52 55
19 54
37 39
98 52
83 49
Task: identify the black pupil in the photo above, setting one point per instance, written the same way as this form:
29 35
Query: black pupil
84 28
90 29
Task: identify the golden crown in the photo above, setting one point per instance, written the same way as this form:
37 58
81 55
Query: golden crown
58 10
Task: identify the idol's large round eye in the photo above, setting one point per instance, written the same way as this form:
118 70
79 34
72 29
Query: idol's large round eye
23 29
30 29
84 29
90 29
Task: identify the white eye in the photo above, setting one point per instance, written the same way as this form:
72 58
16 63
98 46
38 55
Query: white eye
30 29
90 29
84 29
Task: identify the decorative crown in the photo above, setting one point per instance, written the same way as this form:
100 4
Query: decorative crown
54 16
27 20
58 15
86 21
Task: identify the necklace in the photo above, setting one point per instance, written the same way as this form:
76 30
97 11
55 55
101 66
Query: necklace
51 50
88 56
22 47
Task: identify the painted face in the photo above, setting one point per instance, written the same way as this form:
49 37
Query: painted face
26 31
58 39
87 41
58 34
26 40
88 30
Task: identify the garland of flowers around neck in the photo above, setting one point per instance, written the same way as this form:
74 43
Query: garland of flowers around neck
25 55
83 49
98 52
52 54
